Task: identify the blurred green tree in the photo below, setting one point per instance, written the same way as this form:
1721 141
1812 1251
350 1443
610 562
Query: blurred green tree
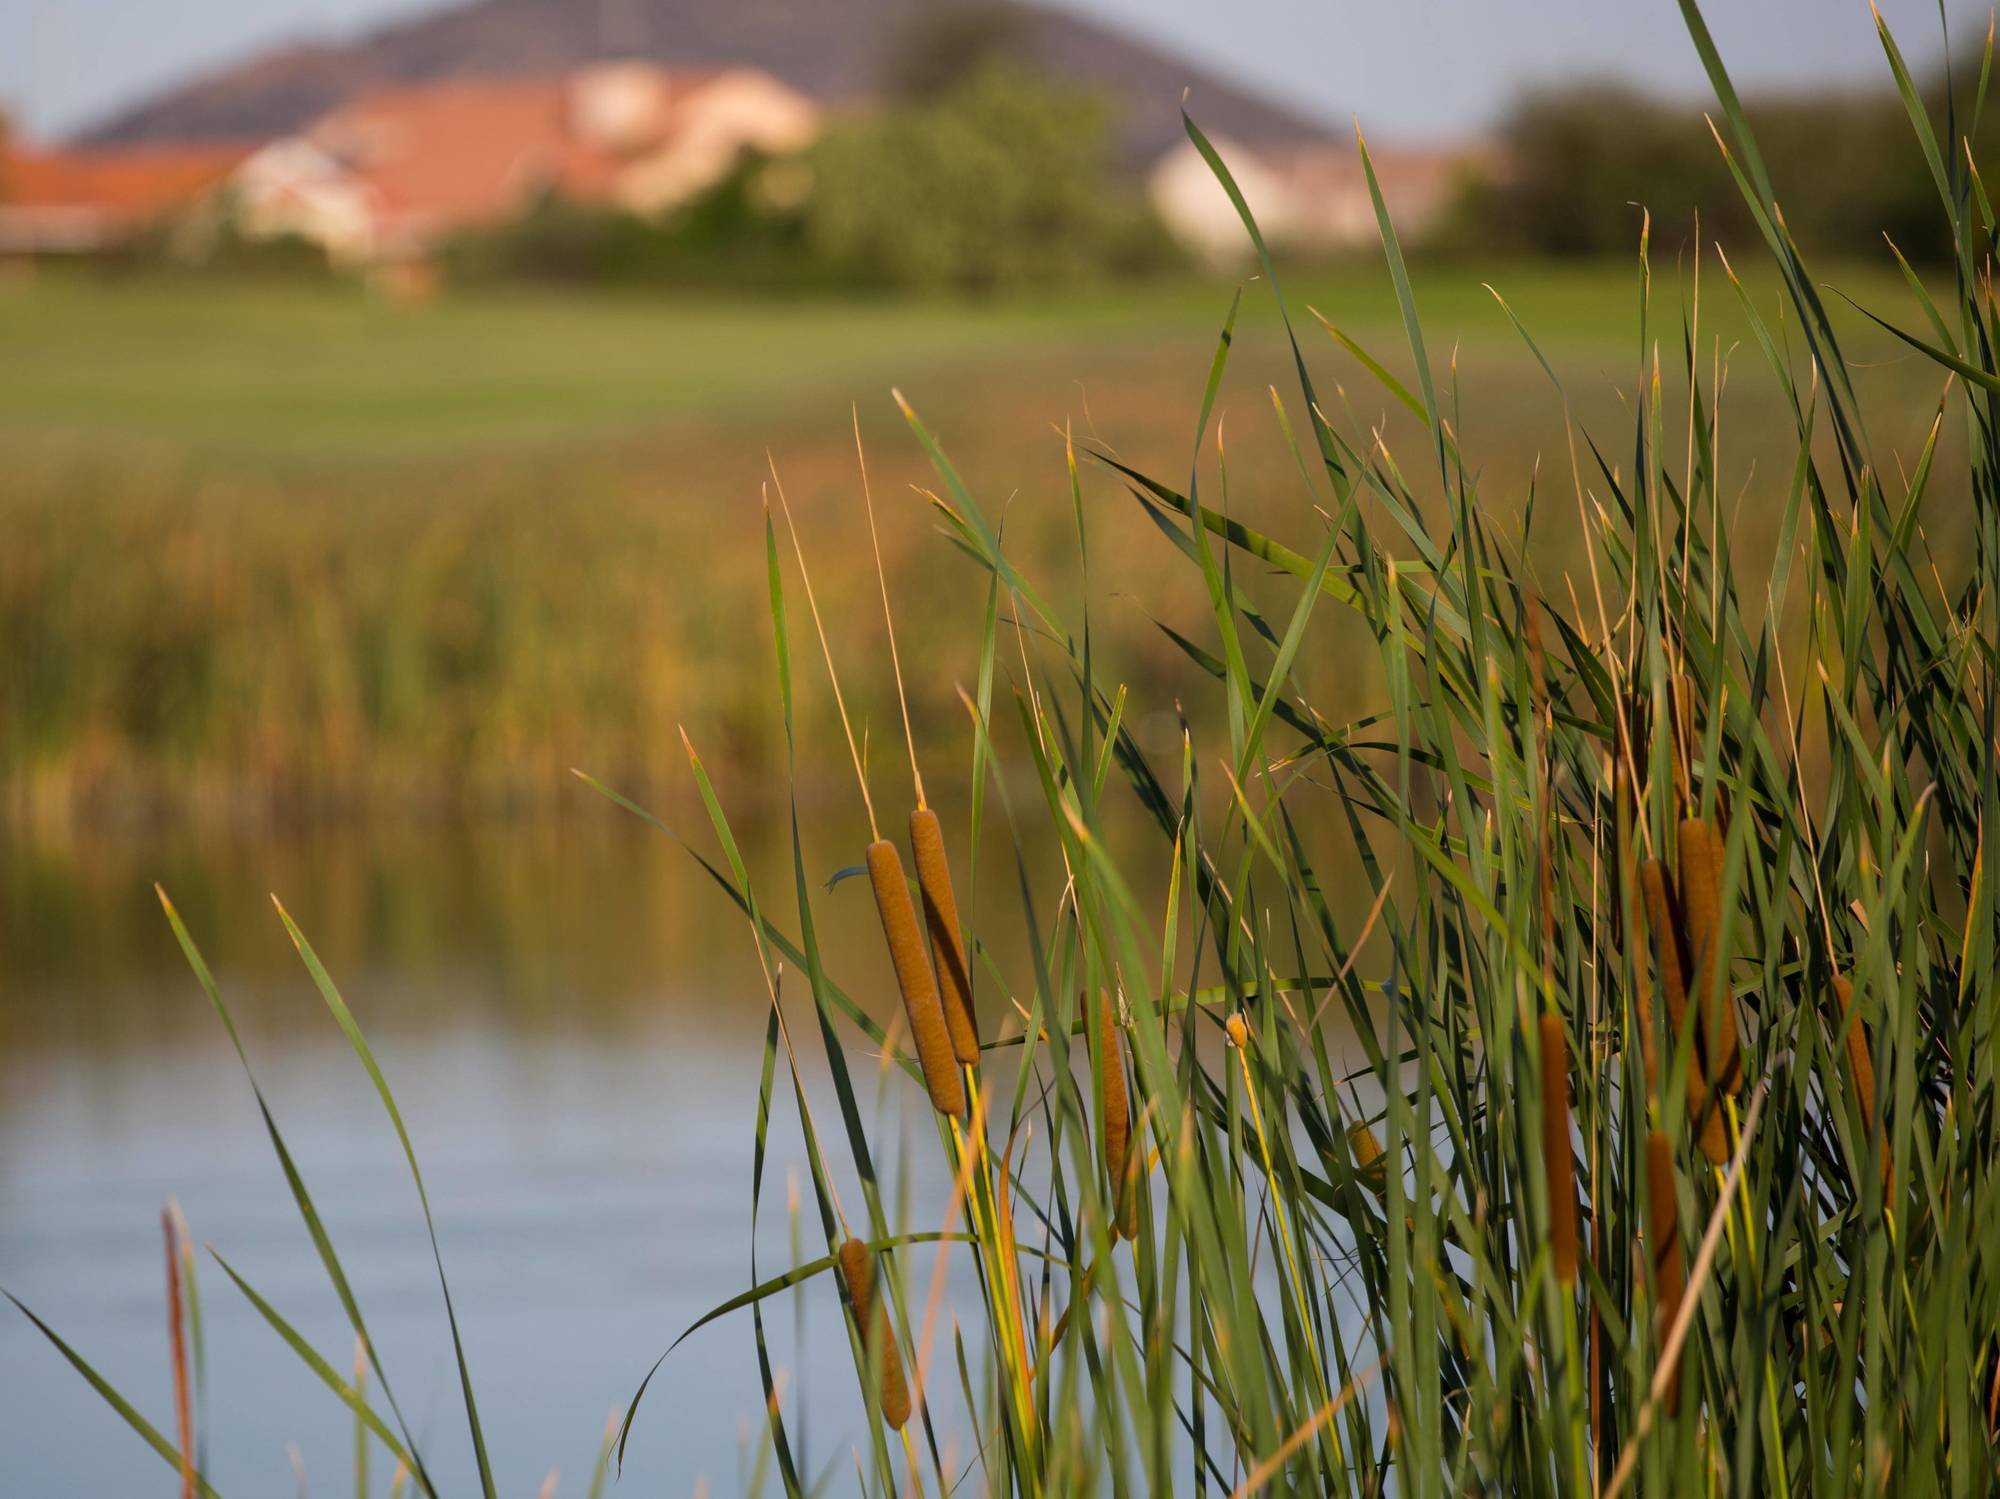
1005 181
1578 164
942 46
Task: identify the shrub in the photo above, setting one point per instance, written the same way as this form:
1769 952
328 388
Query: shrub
738 234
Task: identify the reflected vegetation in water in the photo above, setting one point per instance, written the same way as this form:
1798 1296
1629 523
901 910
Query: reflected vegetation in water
571 1016
584 924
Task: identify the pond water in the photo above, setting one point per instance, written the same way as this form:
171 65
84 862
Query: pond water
572 1018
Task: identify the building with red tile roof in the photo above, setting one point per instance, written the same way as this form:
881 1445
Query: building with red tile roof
388 175
78 201
385 177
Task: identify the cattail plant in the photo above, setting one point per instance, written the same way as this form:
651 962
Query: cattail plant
914 979
1115 1108
1668 942
1683 734
1633 910
1701 856
954 976
947 941
928 1032
871 1321
1558 1167
1860 1067
1366 1148
178 1352
1663 1235
1859 1063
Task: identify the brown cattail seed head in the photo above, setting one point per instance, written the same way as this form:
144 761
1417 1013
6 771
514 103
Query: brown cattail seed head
1860 1066
1663 1236
1664 920
1664 916
913 977
1635 924
1239 1031
1367 1150
1859 1061
1115 1105
857 1267
1701 856
954 975
1558 1168
1538 670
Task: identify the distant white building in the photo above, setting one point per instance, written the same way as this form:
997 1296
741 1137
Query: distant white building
385 176
292 187
1308 198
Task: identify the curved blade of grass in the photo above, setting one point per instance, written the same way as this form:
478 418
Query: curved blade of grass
1983 378
1376 368
1329 455
110 1395
1399 273
763 1292
322 1242
350 1028
799 1273
197 1338
788 1470
313 1360
1281 668
601 1472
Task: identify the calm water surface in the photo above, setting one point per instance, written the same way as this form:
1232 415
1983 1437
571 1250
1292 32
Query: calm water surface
572 1019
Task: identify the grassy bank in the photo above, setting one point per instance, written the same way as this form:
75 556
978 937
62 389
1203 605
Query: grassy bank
284 550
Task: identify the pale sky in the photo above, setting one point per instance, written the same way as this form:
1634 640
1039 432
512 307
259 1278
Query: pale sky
1406 67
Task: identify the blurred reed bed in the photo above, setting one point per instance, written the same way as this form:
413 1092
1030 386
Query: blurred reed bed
272 559
1335 1144
283 643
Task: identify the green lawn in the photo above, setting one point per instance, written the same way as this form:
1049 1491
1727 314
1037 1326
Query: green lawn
334 371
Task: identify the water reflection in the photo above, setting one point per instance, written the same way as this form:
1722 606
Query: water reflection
573 1021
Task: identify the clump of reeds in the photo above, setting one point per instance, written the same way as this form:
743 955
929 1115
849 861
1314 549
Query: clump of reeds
871 1323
